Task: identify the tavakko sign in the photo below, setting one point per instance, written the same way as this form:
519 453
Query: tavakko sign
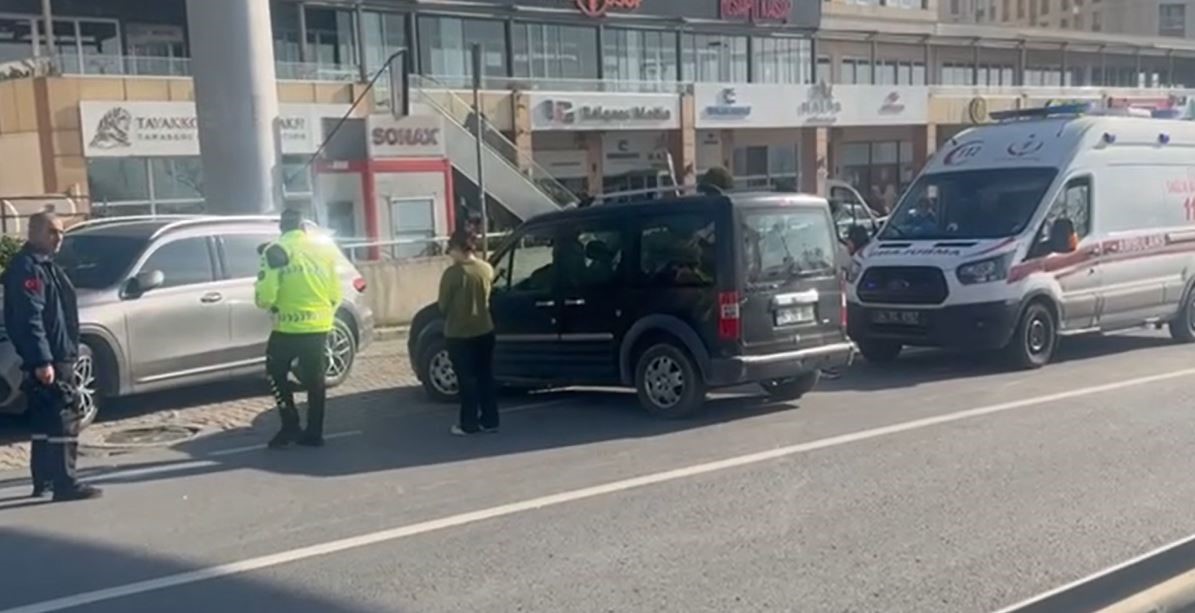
171 129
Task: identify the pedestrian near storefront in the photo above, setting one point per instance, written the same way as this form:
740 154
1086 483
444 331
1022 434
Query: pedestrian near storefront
42 319
469 331
299 285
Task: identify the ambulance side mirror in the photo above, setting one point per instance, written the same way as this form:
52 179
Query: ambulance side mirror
1062 236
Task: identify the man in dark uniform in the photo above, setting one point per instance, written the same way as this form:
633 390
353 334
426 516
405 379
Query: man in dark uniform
42 319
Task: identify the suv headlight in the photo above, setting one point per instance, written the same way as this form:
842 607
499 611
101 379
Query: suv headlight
853 271
984 271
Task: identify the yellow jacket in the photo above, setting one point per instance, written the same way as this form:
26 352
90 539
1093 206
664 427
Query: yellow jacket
298 282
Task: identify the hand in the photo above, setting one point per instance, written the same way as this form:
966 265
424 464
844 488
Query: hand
45 374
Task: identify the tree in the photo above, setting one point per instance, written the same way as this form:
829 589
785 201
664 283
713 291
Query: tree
9 246
718 177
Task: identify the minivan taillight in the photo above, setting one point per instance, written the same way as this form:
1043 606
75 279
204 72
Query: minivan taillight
359 285
729 316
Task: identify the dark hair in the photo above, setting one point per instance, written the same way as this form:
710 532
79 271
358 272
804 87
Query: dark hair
292 219
463 241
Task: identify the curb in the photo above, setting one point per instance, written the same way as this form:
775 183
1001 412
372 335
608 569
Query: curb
1175 594
390 333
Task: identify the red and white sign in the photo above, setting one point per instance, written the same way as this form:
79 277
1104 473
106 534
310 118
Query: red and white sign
419 136
756 10
600 8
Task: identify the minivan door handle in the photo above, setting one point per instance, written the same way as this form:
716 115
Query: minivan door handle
211 297
543 304
575 302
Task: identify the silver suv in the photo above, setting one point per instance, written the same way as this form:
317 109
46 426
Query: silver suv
168 302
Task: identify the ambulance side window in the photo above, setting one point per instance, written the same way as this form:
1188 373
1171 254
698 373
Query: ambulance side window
1073 203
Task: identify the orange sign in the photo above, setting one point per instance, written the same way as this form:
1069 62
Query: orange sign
599 8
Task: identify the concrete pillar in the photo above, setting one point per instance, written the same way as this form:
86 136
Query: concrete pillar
925 144
727 149
232 59
522 125
684 152
815 160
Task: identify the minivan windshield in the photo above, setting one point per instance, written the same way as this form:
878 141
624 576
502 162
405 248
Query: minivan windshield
972 204
96 261
785 243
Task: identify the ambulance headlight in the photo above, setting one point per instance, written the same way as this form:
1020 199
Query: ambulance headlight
985 271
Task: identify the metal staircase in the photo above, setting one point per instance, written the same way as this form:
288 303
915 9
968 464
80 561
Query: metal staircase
512 177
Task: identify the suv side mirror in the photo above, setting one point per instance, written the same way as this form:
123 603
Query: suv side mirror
1062 236
145 281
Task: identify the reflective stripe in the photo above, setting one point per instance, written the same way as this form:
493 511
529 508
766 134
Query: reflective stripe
38 437
62 439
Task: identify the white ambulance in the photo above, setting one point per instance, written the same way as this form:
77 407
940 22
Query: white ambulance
1051 223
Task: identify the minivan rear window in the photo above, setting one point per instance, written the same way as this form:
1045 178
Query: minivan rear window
785 243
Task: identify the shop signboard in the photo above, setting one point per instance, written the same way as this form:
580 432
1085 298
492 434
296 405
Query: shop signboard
171 129
420 136
791 106
599 111
634 152
796 13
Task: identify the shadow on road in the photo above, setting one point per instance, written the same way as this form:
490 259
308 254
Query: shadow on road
80 567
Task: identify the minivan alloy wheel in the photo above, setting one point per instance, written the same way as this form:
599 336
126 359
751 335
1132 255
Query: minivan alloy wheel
665 381
441 373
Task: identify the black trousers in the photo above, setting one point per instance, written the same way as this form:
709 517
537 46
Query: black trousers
309 350
473 360
56 416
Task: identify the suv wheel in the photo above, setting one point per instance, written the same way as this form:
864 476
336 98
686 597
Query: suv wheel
1182 327
1036 338
791 389
669 382
86 374
880 352
341 352
438 375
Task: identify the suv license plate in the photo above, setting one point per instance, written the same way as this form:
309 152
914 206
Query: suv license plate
900 318
793 315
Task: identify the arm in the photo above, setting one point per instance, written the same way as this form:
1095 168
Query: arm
265 291
25 302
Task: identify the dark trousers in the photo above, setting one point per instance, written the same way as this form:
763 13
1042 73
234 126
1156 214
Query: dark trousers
56 418
473 361
310 352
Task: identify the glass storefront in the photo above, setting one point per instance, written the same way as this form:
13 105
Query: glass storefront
445 43
639 55
715 58
879 170
550 51
781 60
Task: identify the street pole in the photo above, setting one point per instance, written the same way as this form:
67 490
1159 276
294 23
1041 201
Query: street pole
479 119
47 15
400 94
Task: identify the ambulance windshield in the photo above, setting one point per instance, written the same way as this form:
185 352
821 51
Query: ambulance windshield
973 204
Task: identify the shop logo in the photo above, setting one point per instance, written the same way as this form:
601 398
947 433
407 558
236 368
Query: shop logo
977 110
963 153
756 10
727 106
406 137
892 104
1027 147
821 103
567 113
561 111
112 131
600 8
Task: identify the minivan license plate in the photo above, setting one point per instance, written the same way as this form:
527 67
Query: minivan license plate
900 318
788 316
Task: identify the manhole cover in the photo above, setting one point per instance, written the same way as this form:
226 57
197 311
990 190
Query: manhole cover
150 436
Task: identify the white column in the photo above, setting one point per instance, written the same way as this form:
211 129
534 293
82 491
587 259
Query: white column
232 60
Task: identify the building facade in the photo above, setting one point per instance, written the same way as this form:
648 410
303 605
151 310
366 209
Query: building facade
584 96
1147 18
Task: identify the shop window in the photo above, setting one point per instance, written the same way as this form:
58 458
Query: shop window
383 35
825 70
146 186
714 58
677 251
547 51
639 55
781 60
118 179
177 178
16 39
330 39
445 45
880 171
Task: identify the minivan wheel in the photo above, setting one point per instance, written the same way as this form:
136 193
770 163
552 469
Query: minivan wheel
879 351
791 389
669 382
1036 338
88 382
1182 327
438 375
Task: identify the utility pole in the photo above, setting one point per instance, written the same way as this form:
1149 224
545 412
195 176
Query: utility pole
478 127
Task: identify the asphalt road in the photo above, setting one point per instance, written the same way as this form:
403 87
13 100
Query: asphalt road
939 484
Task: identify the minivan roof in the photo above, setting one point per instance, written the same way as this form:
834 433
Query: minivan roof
671 204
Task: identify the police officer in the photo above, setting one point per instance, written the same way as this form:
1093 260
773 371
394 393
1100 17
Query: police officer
42 319
298 283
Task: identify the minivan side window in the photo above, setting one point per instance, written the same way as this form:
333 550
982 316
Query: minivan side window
677 251
529 266
1073 203
591 257
182 262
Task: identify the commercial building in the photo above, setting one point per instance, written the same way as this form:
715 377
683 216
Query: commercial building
1172 18
585 96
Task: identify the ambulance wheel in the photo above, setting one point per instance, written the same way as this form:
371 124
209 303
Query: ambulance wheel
880 352
1036 338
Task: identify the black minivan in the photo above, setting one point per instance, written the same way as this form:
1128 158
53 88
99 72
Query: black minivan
672 296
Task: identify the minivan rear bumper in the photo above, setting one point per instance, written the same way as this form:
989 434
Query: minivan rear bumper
755 368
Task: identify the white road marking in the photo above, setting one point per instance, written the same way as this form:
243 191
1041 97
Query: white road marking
392 534
1098 575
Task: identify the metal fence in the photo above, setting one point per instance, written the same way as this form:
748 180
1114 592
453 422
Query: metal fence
406 248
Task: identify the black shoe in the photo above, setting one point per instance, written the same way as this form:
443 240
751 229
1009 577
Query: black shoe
311 440
79 492
489 430
283 439
40 489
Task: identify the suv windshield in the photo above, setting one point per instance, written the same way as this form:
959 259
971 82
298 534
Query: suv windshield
780 244
96 261
993 203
